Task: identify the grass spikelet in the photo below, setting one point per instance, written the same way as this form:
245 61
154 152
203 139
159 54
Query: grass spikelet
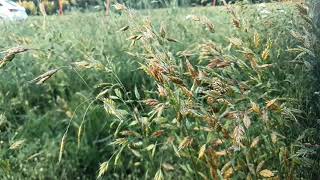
210 26
16 145
265 116
79 134
236 42
156 72
236 23
297 36
171 39
221 153
303 10
167 167
255 142
159 175
11 54
123 28
162 91
185 143
186 91
151 102
185 54
274 137
133 37
193 17
265 54
272 104
253 63
226 167
103 169
17 50
238 133
228 173
62 145
202 75
6 60
176 80
162 31
246 120
133 42
307 42
44 77
255 107
218 63
265 66
82 64
88 65
158 133
202 151
266 173
192 71
120 7
260 165
102 93
308 20
256 39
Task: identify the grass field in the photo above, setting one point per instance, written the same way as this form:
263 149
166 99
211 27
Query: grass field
135 96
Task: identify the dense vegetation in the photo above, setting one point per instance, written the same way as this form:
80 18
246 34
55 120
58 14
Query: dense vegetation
52 6
199 93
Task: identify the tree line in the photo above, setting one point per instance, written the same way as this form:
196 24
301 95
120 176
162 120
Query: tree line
53 6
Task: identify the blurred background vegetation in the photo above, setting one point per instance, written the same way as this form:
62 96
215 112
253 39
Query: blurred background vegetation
52 6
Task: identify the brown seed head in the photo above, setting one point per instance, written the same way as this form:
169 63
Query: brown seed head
151 102
192 71
218 63
236 23
176 80
158 133
156 72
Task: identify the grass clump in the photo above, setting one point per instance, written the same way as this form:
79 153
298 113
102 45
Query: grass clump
222 109
198 94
